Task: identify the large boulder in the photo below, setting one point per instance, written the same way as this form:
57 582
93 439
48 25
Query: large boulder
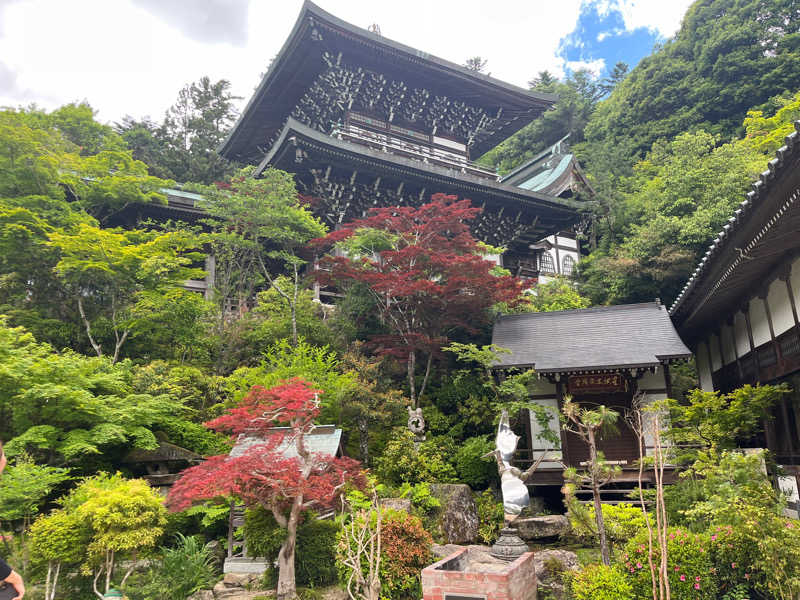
538 528
400 504
457 519
551 568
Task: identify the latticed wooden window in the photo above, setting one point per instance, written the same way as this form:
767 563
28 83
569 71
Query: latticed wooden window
546 264
568 266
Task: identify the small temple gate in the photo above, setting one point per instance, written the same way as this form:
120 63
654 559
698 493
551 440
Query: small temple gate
603 355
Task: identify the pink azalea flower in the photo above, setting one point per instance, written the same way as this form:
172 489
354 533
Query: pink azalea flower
697 586
683 577
697 578
714 538
733 565
638 565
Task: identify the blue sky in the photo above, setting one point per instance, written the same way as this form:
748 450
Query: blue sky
602 38
133 56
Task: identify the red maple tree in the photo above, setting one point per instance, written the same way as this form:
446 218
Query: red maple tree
426 273
268 473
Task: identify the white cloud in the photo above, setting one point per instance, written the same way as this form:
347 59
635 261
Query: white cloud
127 57
596 66
663 16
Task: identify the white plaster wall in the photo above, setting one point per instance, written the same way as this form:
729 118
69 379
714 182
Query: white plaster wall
795 280
727 344
703 370
542 386
759 323
653 381
713 344
649 422
780 309
742 340
540 446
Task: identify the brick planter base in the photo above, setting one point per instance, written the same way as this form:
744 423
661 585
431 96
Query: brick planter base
470 575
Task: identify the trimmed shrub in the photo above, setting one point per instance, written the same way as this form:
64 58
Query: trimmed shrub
599 582
691 573
760 550
623 522
403 461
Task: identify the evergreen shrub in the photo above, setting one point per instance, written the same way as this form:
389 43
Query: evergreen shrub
599 582
690 566
405 461
623 521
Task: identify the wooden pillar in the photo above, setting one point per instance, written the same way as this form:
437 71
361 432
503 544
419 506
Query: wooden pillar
558 260
721 349
775 345
786 277
668 380
746 311
732 323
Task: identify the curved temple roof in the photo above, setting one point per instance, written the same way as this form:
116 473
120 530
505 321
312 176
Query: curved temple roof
600 338
299 62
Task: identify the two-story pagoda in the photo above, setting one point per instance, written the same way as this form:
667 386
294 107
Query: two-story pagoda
364 121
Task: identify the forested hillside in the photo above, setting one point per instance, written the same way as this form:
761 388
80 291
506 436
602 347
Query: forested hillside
671 146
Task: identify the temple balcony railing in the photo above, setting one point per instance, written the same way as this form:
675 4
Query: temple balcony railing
424 153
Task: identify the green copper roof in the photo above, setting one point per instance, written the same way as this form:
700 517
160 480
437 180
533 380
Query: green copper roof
543 179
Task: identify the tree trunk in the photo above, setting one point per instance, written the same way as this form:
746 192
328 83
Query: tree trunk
363 439
412 367
287 586
598 507
88 327
293 308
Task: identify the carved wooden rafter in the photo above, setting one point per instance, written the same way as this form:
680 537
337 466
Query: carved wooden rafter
339 88
342 199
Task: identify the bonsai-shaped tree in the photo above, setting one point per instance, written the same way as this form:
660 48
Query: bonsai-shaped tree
588 424
283 480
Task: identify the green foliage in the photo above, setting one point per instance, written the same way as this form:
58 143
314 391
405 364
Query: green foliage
599 582
622 522
125 279
63 406
184 145
283 361
421 498
758 547
689 566
59 537
25 486
273 321
558 294
491 516
577 98
718 421
472 465
723 481
315 562
405 551
125 515
403 461
725 58
180 572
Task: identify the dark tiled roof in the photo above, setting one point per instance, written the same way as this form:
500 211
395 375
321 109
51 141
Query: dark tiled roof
741 215
605 337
